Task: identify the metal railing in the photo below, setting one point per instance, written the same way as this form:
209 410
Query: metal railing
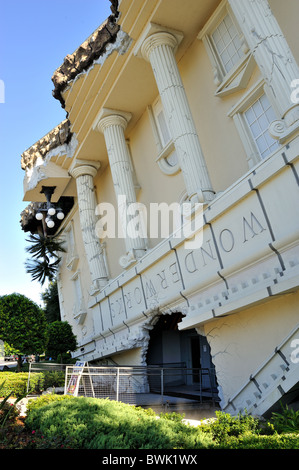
140 386
135 385
35 386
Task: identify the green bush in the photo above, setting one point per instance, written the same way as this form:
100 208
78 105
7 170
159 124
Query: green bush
286 421
43 400
247 432
16 383
254 441
54 379
90 423
226 425
103 424
8 410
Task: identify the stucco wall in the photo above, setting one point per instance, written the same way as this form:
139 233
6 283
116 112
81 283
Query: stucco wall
226 161
240 343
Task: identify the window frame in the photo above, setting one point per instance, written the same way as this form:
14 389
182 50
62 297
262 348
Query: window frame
79 311
238 76
72 258
164 149
237 114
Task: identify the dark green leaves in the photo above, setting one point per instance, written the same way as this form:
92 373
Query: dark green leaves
45 259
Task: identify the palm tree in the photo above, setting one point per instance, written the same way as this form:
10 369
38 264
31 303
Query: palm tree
44 250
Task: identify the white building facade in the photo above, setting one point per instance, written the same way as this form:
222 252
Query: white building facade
190 105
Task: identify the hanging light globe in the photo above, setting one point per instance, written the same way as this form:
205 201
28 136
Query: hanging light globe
50 223
51 211
38 216
60 215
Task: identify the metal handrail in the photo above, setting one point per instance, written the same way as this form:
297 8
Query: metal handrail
159 379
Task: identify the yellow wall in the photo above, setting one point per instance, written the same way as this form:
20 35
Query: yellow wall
226 162
244 340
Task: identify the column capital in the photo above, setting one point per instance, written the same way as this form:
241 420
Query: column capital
162 38
111 117
84 168
154 36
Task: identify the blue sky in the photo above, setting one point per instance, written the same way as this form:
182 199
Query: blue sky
35 36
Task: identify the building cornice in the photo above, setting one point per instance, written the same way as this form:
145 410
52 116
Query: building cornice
86 54
60 135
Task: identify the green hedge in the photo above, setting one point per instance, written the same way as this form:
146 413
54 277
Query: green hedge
91 423
16 383
255 441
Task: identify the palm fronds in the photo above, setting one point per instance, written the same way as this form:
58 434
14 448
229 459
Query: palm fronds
42 270
43 249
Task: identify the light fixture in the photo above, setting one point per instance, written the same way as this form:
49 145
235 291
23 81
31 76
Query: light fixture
50 223
49 212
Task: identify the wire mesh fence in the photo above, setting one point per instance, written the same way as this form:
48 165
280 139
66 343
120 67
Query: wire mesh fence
135 385
43 376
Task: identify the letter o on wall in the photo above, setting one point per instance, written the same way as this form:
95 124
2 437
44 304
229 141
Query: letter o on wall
137 295
226 240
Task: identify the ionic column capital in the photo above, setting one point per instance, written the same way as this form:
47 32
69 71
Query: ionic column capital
161 38
156 35
84 167
111 117
83 170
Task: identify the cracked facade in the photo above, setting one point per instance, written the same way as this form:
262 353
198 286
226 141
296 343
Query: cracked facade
182 102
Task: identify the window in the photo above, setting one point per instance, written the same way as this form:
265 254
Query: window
167 157
72 257
228 51
79 311
227 43
253 115
259 116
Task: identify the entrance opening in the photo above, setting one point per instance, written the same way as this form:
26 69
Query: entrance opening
195 357
186 352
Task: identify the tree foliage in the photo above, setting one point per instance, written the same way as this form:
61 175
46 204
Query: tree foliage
51 301
23 324
45 259
61 338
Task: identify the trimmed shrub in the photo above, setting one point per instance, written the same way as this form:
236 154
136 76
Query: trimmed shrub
247 432
16 383
226 425
54 379
93 423
44 400
287 421
254 441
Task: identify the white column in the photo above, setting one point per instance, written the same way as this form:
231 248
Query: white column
158 48
113 124
84 175
271 52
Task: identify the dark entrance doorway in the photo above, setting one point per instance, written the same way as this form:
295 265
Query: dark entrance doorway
165 343
195 357
170 347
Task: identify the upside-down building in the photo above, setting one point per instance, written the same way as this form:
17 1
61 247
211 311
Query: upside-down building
175 104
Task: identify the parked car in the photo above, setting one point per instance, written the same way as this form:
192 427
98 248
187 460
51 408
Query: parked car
9 358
